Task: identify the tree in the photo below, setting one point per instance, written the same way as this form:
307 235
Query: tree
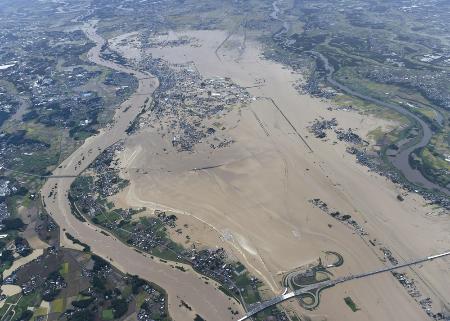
120 307
13 224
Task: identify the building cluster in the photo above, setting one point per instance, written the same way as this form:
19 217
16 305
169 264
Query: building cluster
425 302
431 84
320 127
107 180
46 224
213 263
30 285
5 190
374 164
155 301
4 213
349 136
22 247
341 217
8 102
84 197
48 88
52 286
124 83
313 85
435 58
150 235
388 255
168 220
186 106
162 40
6 187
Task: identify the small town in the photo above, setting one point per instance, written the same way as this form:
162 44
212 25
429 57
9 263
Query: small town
187 107
224 160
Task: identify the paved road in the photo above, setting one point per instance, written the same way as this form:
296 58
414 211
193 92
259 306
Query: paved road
278 299
204 299
401 160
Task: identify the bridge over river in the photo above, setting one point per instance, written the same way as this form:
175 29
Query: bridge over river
308 289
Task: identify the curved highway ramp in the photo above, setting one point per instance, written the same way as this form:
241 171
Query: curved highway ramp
307 289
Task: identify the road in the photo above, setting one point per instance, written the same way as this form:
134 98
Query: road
401 159
204 299
8 316
36 175
307 289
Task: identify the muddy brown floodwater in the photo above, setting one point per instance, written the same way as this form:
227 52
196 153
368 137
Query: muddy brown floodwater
202 297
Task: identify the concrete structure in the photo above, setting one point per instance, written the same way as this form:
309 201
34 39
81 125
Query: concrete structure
307 289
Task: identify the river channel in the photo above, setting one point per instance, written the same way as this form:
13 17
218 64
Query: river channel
202 297
399 160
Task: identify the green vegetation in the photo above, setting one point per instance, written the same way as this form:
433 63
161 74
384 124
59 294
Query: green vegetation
375 55
13 224
86 248
57 305
352 305
22 305
433 165
103 293
107 314
120 307
64 268
250 293
198 318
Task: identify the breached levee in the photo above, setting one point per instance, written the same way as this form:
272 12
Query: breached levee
204 298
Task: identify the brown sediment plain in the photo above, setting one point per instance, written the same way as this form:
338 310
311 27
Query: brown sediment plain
255 193
203 298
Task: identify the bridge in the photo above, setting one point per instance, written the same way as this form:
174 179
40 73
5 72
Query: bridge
309 288
35 175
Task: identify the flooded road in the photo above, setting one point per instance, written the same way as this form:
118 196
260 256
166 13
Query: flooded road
189 287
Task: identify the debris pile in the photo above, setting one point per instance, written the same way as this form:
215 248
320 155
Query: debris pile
320 127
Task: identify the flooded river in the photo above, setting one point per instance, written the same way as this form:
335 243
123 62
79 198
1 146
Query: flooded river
401 159
203 298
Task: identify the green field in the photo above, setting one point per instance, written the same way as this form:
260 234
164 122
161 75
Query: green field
352 305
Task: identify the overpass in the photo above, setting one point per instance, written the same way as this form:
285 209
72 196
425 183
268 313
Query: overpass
307 289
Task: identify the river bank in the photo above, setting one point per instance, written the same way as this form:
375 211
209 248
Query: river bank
255 193
204 299
399 159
